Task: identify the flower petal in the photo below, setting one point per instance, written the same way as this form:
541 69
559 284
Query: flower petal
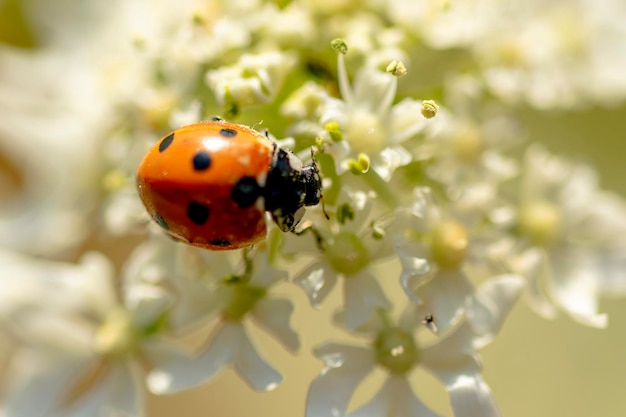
273 315
344 369
125 395
574 286
259 375
318 279
416 270
363 295
533 265
264 273
373 90
452 355
389 159
169 366
406 119
488 309
470 396
49 387
117 393
395 398
444 297
175 372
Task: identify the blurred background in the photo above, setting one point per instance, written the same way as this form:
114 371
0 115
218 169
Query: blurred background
535 367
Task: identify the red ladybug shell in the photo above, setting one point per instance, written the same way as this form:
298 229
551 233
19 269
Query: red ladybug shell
202 183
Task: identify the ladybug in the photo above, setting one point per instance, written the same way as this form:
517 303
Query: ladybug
209 184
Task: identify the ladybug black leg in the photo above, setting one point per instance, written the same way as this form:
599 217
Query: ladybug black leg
247 255
309 228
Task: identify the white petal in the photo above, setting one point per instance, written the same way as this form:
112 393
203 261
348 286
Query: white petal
452 355
264 273
317 280
273 315
125 394
259 375
48 387
490 306
471 397
389 159
146 303
99 278
395 398
363 295
161 270
219 264
175 373
344 369
574 286
532 264
28 282
374 90
406 119
444 297
118 393
416 270
50 330
612 273
169 365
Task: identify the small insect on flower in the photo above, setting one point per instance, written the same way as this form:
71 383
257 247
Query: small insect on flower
429 322
209 184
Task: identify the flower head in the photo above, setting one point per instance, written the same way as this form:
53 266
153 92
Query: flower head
207 285
346 248
394 348
369 122
570 234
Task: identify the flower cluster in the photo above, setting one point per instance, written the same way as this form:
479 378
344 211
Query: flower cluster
437 212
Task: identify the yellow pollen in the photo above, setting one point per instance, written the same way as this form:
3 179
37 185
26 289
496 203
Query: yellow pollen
116 336
540 222
449 244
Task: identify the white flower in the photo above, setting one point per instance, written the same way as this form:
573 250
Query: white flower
444 23
464 154
369 122
453 360
437 251
81 351
557 54
346 248
291 26
49 214
202 284
252 80
571 235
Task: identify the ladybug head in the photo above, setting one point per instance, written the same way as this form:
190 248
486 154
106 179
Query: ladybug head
290 187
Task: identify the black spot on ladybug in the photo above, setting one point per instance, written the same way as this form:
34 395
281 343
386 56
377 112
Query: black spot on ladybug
166 142
161 221
201 161
197 213
219 242
245 192
228 133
